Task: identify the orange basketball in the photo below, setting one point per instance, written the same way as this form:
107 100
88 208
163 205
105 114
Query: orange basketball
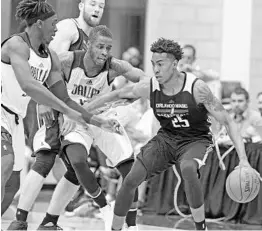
242 185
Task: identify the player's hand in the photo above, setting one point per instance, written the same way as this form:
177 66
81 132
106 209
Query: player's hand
245 164
67 126
46 115
111 125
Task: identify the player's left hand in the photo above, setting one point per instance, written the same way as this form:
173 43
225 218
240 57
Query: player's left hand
68 126
245 164
112 125
46 115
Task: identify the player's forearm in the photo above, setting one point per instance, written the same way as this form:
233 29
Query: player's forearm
235 136
43 96
87 116
102 100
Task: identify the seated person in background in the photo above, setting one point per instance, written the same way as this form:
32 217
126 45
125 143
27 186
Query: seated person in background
259 102
188 64
247 119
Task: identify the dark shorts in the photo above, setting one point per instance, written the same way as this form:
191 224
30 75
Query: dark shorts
41 138
6 143
165 150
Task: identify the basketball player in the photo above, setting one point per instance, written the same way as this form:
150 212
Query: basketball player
73 34
27 65
181 103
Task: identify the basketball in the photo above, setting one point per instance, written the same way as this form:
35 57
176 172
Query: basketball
242 185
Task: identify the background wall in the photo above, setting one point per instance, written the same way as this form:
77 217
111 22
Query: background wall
196 22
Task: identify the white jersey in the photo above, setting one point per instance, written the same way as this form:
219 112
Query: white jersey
13 97
81 88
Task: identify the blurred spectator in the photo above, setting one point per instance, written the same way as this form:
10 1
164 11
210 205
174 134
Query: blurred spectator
247 119
259 102
188 64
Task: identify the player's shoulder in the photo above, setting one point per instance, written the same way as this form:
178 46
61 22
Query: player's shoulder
66 58
67 23
190 75
67 26
15 44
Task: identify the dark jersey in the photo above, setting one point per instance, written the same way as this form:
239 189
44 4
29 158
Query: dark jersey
81 43
179 114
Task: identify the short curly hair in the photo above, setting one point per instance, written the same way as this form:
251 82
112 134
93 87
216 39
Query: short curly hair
101 30
163 45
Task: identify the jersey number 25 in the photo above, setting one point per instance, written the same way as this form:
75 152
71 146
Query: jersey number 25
179 122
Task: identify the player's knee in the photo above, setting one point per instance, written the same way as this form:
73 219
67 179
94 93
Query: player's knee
70 175
13 183
7 165
44 163
77 154
130 183
189 169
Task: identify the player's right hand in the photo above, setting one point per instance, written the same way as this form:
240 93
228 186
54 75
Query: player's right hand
46 115
112 125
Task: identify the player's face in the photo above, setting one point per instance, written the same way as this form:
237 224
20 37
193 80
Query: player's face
92 11
100 50
259 102
163 66
239 103
49 29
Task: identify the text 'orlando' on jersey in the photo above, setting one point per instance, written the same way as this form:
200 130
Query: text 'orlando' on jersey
179 114
13 97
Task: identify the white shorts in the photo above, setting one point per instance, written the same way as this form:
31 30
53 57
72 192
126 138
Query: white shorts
117 148
18 138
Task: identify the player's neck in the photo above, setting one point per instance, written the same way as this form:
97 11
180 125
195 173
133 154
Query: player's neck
174 84
83 25
35 38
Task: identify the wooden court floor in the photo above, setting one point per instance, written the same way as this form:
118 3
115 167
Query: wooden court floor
145 221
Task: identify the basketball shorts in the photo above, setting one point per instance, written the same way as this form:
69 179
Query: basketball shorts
117 148
15 144
41 137
164 150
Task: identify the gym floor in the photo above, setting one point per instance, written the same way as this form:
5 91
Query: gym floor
145 222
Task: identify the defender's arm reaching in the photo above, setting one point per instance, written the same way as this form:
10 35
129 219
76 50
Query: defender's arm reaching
120 67
134 91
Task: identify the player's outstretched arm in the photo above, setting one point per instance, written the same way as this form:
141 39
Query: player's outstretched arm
66 35
134 91
121 67
18 53
57 86
203 95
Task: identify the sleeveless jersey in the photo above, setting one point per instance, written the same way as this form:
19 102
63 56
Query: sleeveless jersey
179 114
81 88
81 43
13 97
